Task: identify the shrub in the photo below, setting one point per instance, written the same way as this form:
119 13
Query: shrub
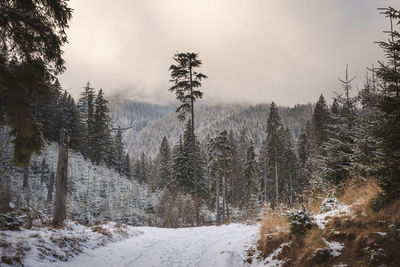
300 220
329 203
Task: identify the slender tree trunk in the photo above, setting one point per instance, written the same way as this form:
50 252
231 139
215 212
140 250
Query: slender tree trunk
60 212
227 203
217 198
276 174
196 186
50 188
265 181
291 189
42 171
26 177
223 198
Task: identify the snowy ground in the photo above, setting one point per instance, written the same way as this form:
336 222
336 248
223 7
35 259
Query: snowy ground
224 245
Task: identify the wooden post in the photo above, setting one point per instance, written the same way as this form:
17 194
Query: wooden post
60 212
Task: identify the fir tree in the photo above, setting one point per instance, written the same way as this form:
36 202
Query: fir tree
164 164
290 168
274 146
178 163
339 148
250 176
127 167
32 35
236 175
319 124
303 146
86 107
388 104
119 152
100 129
219 156
365 144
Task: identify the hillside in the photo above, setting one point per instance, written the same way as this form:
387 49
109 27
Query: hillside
152 122
95 193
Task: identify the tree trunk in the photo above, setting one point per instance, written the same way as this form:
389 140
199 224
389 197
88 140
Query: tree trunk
291 189
50 188
60 212
276 175
26 176
217 198
265 181
42 171
223 199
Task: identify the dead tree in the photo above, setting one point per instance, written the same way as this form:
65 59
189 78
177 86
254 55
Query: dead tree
60 212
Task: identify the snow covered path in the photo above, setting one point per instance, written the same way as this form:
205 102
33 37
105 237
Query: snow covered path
224 245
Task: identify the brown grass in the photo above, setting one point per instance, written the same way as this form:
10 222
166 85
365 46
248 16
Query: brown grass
274 231
358 192
360 232
272 222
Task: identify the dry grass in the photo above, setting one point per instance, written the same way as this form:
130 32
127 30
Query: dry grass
365 234
274 231
273 222
101 230
314 204
358 192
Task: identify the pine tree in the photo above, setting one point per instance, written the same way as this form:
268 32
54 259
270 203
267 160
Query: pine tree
101 125
86 107
305 160
178 162
365 145
262 166
250 176
388 104
186 79
119 151
290 169
236 175
339 148
319 125
219 156
51 113
303 146
32 35
127 167
164 164
274 146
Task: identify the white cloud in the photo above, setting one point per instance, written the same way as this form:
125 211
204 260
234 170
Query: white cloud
253 51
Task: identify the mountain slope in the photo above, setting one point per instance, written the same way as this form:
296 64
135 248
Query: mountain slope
153 122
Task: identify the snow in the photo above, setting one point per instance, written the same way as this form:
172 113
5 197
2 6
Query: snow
271 260
323 218
334 247
43 246
381 233
223 245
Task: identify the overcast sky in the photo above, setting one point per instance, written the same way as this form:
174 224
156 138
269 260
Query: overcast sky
252 50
